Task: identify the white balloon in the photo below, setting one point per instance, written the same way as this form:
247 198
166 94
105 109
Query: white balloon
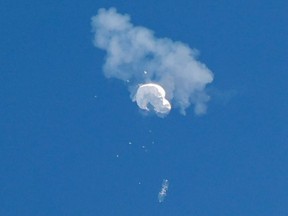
154 95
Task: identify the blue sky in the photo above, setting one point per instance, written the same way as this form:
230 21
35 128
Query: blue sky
63 123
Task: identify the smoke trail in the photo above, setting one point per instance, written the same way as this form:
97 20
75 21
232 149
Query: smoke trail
134 49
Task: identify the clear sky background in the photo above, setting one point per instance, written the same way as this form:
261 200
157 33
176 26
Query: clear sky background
62 123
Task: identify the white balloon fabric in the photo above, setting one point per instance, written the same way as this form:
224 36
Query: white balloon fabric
154 95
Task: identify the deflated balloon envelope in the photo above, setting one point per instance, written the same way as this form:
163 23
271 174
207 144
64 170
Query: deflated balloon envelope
154 95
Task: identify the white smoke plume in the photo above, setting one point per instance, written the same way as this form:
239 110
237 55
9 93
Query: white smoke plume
134 49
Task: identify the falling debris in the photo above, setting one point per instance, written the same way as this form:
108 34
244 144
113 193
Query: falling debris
162 194
172 64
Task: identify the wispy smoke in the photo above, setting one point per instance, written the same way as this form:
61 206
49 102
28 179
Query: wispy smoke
134 49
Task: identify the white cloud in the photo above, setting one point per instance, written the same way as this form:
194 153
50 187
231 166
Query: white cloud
134 49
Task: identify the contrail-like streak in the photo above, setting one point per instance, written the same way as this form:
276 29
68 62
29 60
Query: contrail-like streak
163 193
